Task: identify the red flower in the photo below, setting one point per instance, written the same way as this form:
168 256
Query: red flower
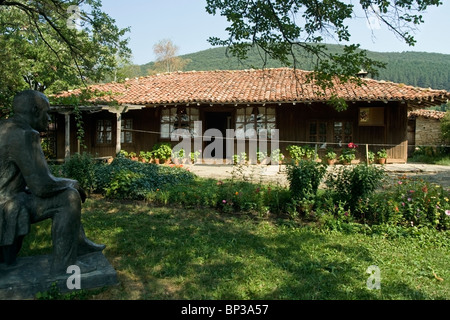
351 145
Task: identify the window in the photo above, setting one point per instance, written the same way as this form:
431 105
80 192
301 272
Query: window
178 118
127 136
318 132
343 132
256 118
104 131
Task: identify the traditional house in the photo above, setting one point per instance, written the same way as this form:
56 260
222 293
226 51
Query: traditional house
424 128
149 109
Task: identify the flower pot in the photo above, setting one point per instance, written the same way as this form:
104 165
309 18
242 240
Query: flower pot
331 162
157 161
382 160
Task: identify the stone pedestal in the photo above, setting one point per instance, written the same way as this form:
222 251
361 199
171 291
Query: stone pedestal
30 275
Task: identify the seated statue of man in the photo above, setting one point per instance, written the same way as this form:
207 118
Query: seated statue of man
29 193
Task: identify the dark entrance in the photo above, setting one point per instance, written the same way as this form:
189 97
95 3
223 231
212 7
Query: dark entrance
220 121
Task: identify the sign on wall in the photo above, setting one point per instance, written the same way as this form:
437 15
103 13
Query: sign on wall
371 116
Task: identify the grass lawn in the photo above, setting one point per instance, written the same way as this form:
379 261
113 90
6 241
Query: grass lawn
443 160
173 253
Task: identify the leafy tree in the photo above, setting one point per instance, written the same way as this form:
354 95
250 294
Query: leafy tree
445 127
285 29
167 59
51 45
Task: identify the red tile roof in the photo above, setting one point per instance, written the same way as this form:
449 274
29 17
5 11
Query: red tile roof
279 85
427 114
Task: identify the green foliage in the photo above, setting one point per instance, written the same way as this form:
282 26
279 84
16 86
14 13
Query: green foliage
331 154
445 127
350 184
300 152
162 151
304 178
439 155
81 167
54 293
194 156
371 156
240 158
137 179
382 154
41 51
122 185
415 202
276 156
348 155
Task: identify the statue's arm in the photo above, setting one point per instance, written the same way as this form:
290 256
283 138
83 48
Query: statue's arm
31 161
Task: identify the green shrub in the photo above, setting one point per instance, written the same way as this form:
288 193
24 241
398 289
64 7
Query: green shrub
123 185
81 167
351 184
150 177
415 202
298 153
445 127
304 178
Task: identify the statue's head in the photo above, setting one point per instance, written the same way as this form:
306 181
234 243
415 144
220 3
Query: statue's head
32 106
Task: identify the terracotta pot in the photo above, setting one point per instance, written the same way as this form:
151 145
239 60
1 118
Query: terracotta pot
331 162
382 160
157 161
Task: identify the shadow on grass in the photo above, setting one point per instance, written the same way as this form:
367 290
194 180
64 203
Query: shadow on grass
166 253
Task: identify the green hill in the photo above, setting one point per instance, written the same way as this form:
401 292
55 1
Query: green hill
422 69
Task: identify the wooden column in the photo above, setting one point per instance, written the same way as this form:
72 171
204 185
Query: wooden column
67 136
118 112
118 132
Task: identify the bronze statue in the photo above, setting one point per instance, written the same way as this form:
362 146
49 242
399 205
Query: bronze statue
29 193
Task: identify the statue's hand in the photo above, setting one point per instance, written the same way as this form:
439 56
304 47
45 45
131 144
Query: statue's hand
81 191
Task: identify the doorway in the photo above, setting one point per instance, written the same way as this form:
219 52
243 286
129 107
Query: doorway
220 121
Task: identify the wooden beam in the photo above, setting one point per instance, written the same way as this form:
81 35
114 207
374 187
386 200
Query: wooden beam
67 137
118 132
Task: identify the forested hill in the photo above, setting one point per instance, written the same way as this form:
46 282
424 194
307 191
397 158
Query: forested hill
422 69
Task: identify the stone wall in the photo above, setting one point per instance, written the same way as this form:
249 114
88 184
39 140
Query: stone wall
428 132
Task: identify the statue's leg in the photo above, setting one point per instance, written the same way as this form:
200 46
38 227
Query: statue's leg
9 253
65 211
85 245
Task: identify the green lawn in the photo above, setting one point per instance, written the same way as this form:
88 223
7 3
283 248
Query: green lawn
174 253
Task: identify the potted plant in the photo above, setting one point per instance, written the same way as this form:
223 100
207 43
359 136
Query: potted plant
371 156
382 156
133 156
331 156
296 153
178 156
236 159
308 152
261 157
162 152
143 157
124 154
276 156
194 156
348 154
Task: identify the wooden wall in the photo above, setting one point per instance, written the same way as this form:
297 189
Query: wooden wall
292 121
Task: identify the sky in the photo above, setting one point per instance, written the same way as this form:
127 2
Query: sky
187 24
